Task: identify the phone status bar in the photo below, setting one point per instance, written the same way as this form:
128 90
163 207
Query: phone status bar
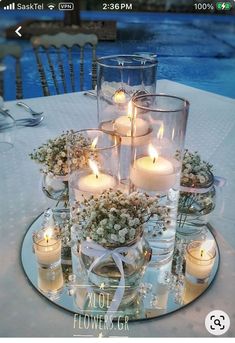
38 6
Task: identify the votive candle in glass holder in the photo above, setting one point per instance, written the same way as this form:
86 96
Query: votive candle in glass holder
100 170
47 247
200 258
156 165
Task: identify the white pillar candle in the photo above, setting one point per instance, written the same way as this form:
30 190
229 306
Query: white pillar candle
95 182
153 172
123 124
47 248
200 258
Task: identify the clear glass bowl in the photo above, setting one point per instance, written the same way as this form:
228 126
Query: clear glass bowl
107 273
196 202
55 187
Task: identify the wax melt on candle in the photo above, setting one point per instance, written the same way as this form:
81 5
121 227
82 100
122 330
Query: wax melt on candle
153 172
122 124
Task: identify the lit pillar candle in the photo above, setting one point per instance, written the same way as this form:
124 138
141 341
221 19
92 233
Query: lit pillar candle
153 172
95 182
200 258
122 124
47 247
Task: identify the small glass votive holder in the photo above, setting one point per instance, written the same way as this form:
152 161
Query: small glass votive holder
47 247
99 170
200 258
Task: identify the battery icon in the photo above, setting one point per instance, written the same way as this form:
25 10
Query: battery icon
223 6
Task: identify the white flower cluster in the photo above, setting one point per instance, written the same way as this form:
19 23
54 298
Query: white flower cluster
53 154
115 218
195 171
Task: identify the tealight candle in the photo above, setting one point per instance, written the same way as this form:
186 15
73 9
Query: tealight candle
47 247
123 124
200 258
95 182
153 172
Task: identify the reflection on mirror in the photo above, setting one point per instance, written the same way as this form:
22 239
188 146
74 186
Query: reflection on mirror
163 289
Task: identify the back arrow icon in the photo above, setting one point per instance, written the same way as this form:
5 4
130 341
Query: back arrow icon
17 31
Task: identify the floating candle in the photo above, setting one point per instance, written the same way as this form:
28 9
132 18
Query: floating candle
95 182
153 172
123 124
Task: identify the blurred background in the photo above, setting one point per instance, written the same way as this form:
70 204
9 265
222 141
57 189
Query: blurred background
194 42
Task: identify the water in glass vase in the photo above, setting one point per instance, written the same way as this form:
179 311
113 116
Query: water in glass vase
160 230
105 276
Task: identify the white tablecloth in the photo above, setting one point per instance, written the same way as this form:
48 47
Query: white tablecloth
211 131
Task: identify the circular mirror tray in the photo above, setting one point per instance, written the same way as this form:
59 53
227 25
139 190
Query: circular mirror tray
163 290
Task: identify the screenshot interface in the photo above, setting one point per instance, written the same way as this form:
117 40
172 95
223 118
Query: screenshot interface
117 140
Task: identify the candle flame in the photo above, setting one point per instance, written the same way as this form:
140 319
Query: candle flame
129 110
94 142
160 132
119 97
94 168
206 246
48 235
152 153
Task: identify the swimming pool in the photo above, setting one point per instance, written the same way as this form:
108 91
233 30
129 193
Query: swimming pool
197 50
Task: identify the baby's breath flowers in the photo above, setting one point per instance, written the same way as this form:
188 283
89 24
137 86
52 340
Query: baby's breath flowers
52 155
194 205
115 218
195 171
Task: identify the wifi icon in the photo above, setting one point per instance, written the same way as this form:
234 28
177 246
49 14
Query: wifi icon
51 6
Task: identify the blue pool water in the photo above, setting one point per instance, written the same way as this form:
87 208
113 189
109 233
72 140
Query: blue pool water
197 50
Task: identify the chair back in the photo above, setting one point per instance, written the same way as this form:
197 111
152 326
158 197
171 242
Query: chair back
16 52
57 63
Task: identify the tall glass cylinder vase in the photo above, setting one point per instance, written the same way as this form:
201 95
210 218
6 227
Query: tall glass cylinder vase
100 168
120 78
156 164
